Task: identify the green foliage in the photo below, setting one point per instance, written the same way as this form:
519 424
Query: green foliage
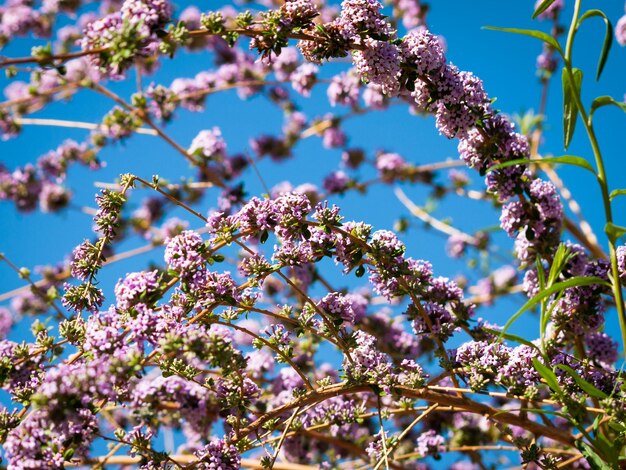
601 101
562 160
608 37
571 93
549 291
543 6
614 232
582 383
532 33
593 459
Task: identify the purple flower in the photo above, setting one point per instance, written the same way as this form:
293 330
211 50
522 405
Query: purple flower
343 90
441 321
304 78
363 17
278 335
423 50
6 322
218 455
53 197
183 253
390 166
285 63
210 287
547 61
386 246
338 307
209 144
136 287
8 127
152 14
100 33
184 90
463 102
39 442
430 443
374 97
379 64
336 182
455 247
601 348
368 363
621 262
298 13
620 31
518 373
103 333
334 137
482 361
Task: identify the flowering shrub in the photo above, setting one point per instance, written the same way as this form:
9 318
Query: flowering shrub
279 332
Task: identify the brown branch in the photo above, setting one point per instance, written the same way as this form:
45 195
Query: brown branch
427 394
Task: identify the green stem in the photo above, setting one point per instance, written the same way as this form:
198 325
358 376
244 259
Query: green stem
601 174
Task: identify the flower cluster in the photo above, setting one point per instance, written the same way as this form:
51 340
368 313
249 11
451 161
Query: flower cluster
42 185
119 37
493 363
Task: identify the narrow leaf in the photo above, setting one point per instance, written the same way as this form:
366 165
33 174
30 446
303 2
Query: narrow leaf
605 101
543 6
562 160
593 459
559 286
608 37
548 375
541 279
617 192
607 449
532 33
582 383
570 111
562 256
515 338
565 416
614 231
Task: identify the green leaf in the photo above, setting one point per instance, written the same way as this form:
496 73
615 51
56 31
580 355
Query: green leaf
570 110
541 279
562 160
548 375
614 231
593 459
264 236
543 6
582 383
532 33
608 450
562 256
605 101
515 338
617 192
541 276
608 37
565 416
559 286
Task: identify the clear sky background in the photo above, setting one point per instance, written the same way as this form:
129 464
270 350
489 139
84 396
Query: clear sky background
505 62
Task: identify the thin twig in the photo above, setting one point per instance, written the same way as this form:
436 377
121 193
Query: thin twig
74 125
